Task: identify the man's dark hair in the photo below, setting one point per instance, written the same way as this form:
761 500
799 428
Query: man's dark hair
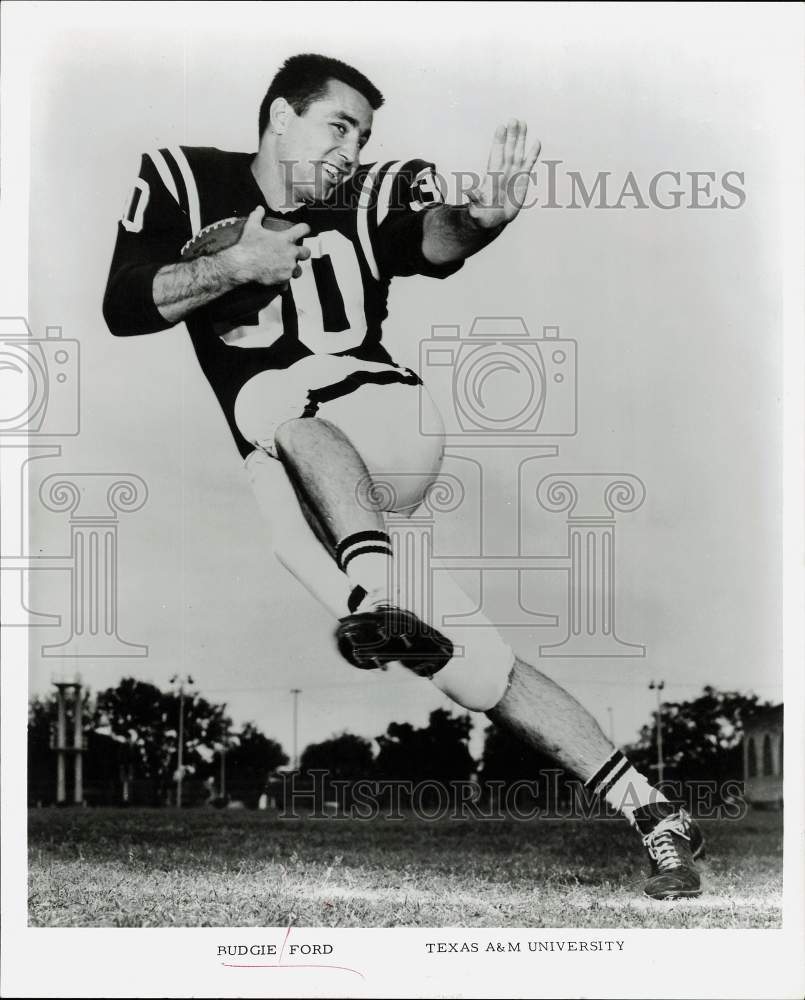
303 79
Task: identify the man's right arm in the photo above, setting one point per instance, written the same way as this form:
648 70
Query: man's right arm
150 235
260 255
180 288
150 289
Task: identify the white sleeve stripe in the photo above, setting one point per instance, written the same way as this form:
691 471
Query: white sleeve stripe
164 172
192 191
384 197
363 222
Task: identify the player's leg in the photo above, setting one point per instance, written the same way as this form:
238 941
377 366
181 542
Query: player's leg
292 536
335 422
547 717
349 462
274 410
381 420
542 714
331 475
334 484
485 675
302 548
338 491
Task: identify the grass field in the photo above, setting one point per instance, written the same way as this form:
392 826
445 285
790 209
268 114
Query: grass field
202 868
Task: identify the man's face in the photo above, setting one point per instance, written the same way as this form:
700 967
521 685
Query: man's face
322 146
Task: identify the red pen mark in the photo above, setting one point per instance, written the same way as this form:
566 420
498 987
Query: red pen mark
285 965
342 968
282 950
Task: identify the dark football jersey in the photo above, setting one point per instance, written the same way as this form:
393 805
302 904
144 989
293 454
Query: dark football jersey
369 231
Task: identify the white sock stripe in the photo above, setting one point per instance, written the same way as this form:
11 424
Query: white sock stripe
612 778
366 548
614 760
386 542
362 538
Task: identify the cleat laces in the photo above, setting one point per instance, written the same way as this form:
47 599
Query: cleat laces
660 841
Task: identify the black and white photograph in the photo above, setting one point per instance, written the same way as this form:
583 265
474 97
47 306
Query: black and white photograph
401 432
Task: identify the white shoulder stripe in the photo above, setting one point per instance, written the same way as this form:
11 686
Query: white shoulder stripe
384 197
164 172
364 201
192 190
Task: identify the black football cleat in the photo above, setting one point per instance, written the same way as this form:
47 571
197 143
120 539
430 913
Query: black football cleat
385 634
672 839
696 841
648 816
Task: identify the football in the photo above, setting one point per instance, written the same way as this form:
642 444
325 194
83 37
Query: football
246 300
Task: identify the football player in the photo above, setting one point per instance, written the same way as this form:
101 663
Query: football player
286 320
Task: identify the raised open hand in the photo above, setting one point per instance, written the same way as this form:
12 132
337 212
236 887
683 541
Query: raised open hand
508 174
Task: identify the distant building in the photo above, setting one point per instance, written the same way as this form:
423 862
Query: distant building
763 759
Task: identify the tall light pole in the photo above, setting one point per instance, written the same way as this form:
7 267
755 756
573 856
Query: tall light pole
660 762
181 681
296 692
62 749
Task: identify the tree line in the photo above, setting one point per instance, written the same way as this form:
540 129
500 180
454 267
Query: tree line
131 741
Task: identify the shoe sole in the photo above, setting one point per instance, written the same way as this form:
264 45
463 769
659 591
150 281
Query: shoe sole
424 650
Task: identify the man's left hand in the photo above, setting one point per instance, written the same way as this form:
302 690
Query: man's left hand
508 174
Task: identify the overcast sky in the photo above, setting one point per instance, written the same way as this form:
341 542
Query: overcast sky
675 314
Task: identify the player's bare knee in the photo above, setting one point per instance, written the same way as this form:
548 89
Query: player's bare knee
298 435
291 434
478 678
